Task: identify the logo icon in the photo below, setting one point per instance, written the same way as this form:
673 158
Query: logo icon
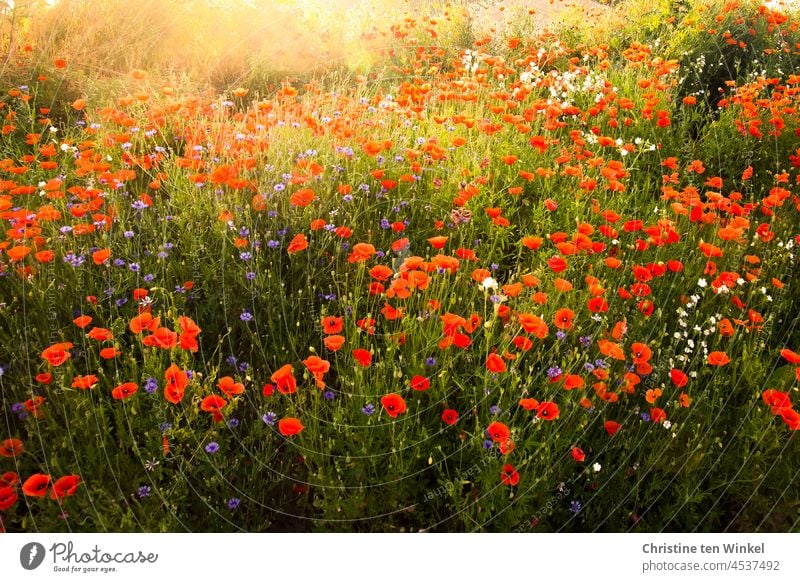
31 555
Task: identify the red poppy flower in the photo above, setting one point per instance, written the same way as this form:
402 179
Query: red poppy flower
509 476
297 244
597 305
230 387
393 404
438 242
495 364
33 404
82 321
658 415
125 390
420 383
557 264
450 416
578 455
573 381
65 486
791 417
363 357
318 368
498 432
284 379
11 448
290 426
100 334
563 318
44 378
36 485
678 378
790 356
332 325
57 354
718 359
529 404
9 478
380 272
534 325
361 252
8 497
334 342
189 333
109 353
640 352
776 400
163 338
612 427
302 198
522 343
144 321
85 382
177 380
548 411
611 349
213 403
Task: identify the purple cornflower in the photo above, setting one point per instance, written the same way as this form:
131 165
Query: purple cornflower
143 491
575 506
233 503
269 418
74 260
246 316
151 385
369 409
212 447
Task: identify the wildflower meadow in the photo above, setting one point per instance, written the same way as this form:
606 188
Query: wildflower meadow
399 267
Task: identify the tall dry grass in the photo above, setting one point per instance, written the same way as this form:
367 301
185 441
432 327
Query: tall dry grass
213 41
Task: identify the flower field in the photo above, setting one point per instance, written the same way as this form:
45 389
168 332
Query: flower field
513 278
